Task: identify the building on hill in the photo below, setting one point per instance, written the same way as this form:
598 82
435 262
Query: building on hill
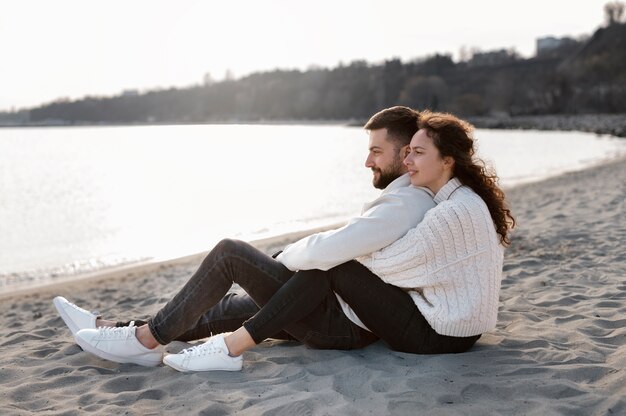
550 45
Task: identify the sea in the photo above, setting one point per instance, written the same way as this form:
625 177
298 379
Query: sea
76 200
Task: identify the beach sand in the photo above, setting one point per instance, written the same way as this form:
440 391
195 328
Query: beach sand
559 346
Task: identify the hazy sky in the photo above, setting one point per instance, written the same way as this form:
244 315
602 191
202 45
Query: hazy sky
73 48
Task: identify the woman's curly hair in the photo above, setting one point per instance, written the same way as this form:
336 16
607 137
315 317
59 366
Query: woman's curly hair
453 137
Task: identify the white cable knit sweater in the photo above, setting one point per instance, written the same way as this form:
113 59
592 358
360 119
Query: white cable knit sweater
451 263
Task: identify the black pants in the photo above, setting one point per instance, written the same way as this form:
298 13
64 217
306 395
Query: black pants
318 324
388 311
300 305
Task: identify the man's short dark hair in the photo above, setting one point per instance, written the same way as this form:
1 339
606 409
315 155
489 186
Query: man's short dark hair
400 122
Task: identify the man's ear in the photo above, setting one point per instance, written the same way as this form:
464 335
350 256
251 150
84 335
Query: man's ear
405 151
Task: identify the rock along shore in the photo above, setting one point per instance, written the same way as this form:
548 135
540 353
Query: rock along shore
613 124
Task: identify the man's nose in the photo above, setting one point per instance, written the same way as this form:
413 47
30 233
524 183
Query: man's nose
368 162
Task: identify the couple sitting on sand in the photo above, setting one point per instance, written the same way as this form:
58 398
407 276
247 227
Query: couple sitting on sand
420 268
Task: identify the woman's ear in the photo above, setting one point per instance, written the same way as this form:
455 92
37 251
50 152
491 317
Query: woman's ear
448 162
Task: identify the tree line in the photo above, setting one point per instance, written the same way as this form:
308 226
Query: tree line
580 77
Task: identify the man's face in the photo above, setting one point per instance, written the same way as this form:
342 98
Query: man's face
384 159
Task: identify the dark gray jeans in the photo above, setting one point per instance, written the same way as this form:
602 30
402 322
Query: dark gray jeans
203 306
302 306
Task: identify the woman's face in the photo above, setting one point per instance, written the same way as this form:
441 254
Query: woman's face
425 164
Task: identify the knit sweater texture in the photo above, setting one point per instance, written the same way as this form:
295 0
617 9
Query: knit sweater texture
450 263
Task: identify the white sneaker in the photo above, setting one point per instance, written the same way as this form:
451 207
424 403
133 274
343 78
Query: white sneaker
119 345
74 317
212 355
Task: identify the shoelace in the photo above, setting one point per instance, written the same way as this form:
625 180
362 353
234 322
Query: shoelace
123 332
201 350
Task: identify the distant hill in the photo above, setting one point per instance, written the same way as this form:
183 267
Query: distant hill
605 51
596 74
585 78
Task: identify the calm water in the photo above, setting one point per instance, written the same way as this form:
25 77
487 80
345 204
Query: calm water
81 199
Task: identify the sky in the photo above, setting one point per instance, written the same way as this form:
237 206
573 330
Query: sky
74 48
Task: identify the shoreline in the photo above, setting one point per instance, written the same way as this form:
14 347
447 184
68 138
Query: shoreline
344 122
612 124
124 271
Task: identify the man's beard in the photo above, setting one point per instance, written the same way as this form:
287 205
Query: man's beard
385 177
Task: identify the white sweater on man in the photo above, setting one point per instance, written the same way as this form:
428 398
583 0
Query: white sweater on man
399 208
450 263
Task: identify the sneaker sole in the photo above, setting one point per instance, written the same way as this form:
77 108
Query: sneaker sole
122 360
187 370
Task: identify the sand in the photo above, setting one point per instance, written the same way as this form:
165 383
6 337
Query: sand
559 346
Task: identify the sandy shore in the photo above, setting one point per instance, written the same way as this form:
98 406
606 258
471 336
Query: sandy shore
559 348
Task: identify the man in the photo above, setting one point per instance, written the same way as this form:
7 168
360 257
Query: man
383 221
399 208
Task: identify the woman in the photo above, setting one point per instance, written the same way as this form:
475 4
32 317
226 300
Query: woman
433 291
